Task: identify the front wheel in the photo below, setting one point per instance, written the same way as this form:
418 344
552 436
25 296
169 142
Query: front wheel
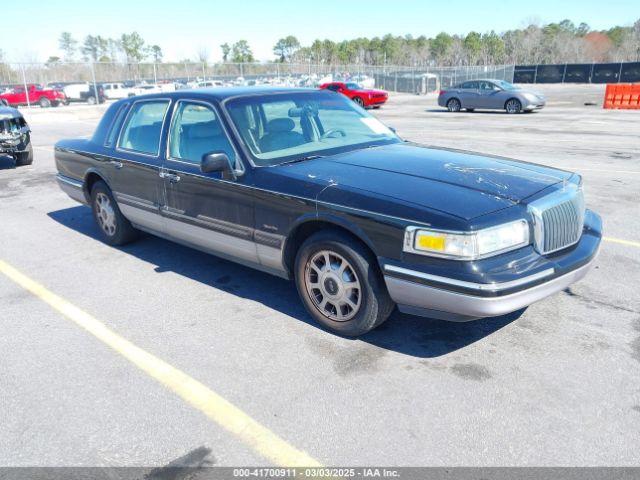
115 228
25 157
340 285
513 106
91 100
44 102
359 101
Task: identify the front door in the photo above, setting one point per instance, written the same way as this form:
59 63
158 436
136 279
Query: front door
204 209
489 96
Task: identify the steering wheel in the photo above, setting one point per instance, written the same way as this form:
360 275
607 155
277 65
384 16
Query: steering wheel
333 133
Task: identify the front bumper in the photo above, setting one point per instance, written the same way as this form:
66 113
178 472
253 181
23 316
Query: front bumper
423 294
534 105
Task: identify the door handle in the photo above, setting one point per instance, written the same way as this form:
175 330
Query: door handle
116 164
172 177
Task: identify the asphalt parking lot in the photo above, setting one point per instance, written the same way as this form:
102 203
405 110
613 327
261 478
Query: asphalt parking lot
555 385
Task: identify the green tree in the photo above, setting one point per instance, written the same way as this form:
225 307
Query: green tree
226 50
286 48
154 52
441 47
472 44
241 52
94 47
133 47
68 45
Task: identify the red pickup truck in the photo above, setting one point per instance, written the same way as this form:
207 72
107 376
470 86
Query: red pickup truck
45 97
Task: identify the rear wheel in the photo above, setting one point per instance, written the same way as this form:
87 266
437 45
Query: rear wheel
91 100
454 105
359 101
44 102
340 285
513 106
115 228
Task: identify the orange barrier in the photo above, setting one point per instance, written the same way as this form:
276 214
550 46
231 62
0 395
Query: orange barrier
622 96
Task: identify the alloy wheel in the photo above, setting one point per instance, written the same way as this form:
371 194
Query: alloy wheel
333 286
105 214
454 105
513 106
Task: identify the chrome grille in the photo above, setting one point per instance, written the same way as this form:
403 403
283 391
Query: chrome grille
558 219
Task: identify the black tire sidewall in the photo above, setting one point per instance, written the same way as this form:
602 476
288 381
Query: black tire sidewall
375 302
26 157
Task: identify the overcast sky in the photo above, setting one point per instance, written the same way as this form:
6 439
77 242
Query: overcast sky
31 28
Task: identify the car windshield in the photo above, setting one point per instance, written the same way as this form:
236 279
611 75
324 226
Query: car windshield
353 86
280 128
505 85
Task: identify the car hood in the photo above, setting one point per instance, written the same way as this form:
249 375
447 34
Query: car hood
461 184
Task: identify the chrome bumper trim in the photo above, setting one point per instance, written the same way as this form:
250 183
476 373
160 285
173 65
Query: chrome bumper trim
416 297
488 287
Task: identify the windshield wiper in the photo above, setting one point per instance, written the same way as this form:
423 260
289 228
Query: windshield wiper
302 159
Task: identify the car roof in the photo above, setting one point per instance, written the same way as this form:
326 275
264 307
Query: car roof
222 93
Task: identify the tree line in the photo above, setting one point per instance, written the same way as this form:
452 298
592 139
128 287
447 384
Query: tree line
562 42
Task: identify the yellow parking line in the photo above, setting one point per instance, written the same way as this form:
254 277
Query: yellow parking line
225 414
622 242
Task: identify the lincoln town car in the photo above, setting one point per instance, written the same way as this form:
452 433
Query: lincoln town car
306 185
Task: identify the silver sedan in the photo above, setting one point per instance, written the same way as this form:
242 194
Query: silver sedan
490 94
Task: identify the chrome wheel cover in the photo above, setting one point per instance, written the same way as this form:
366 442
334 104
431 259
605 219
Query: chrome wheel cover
105 214
333 286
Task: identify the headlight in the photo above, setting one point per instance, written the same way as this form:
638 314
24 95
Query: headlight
531 97
467 245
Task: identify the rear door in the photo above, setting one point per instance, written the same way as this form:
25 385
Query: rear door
469 95
135 165
205 209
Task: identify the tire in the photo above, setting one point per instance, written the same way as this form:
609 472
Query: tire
326 293
4 102
359 101
44 102
25 158
114 227
91 100
470 110
513 105
454 105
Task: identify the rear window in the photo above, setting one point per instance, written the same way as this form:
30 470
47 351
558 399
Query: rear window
142 129
115 126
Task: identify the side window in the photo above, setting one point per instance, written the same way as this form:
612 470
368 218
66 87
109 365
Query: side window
142 129
334 87
487 86
115 126
470 85
196 131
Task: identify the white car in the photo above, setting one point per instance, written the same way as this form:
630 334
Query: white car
116 91
74 91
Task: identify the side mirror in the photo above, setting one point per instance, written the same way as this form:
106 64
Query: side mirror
215 162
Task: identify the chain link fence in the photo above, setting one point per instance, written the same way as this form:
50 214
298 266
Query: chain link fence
418 80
